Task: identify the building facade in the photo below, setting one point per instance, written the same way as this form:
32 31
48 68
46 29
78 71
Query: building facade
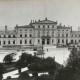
38 33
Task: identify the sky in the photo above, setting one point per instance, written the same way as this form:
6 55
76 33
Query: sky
21 12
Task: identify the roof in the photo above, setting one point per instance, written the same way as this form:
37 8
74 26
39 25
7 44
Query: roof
40 52
63 27
75 32
13 32
25 26
46 21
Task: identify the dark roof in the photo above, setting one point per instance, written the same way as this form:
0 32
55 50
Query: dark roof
25 26
63 27
46 21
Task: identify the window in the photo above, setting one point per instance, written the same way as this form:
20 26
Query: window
4 36
8 42
4 42
62 30
14 36
38 26
30 35
9 36
20 35
26 30
66 30
14 42
25 35
20 29
52 40
48 26
72 35
39 34
79 35
20 41
66 35
43 26
58 40
62 40
0 36
52 26
71 41
79 41
75 41
38 41
58 35
75 35
30 42
62 35
25 41
66 41
52 35
0 42
58 30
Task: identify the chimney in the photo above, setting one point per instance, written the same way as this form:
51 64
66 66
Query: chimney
64 25
16 25
6 28
60 24
35 20
39 20
31 21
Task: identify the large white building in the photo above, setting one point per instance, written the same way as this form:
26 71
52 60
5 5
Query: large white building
38 33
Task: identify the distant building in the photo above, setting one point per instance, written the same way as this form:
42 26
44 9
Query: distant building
38 33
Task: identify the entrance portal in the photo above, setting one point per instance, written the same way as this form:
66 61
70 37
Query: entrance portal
43 41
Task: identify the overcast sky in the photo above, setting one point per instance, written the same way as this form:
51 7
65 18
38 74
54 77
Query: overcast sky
21 12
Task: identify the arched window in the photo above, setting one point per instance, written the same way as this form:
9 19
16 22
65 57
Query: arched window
4 36
38 41
8 42
25 35
43 26
62 40
66 35
62 35
58 40
4 42
30 35
52 40
20 41
25 41
9 36
14 42
0 42
14 36
30 41
20 35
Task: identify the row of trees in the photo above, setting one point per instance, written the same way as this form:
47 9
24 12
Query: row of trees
72 69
